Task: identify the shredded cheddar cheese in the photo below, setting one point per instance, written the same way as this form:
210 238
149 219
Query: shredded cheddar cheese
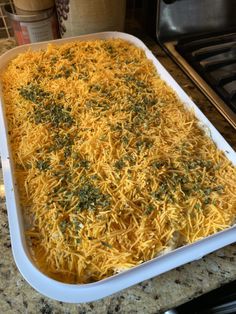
111 169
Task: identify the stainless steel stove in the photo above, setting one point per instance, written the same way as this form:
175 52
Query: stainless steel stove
200 35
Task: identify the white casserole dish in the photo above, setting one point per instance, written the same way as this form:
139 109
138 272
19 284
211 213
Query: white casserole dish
76 293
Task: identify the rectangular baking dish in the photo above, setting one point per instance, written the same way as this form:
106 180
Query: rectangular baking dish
76 293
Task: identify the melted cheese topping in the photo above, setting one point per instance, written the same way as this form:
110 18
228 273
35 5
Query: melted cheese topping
111 169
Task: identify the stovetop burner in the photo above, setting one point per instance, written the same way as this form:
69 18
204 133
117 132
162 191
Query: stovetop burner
210 61
201 38
215 59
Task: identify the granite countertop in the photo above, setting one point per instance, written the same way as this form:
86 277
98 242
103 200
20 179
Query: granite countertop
152 296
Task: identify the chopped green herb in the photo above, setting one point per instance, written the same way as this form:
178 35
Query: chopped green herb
33 93
95 177
63 225
116 127
218 188
158 164
144 143
54 114
150 208
207 191
67 151
125 140
207 200
77 225
85 164
108 48
53 60
95 88
68 54
62 140
106 244
197 206
149 101
119 164
90 198
42 165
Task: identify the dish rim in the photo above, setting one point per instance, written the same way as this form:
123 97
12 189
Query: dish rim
76 293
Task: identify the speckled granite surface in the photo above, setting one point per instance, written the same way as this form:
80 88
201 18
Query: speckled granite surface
152 296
